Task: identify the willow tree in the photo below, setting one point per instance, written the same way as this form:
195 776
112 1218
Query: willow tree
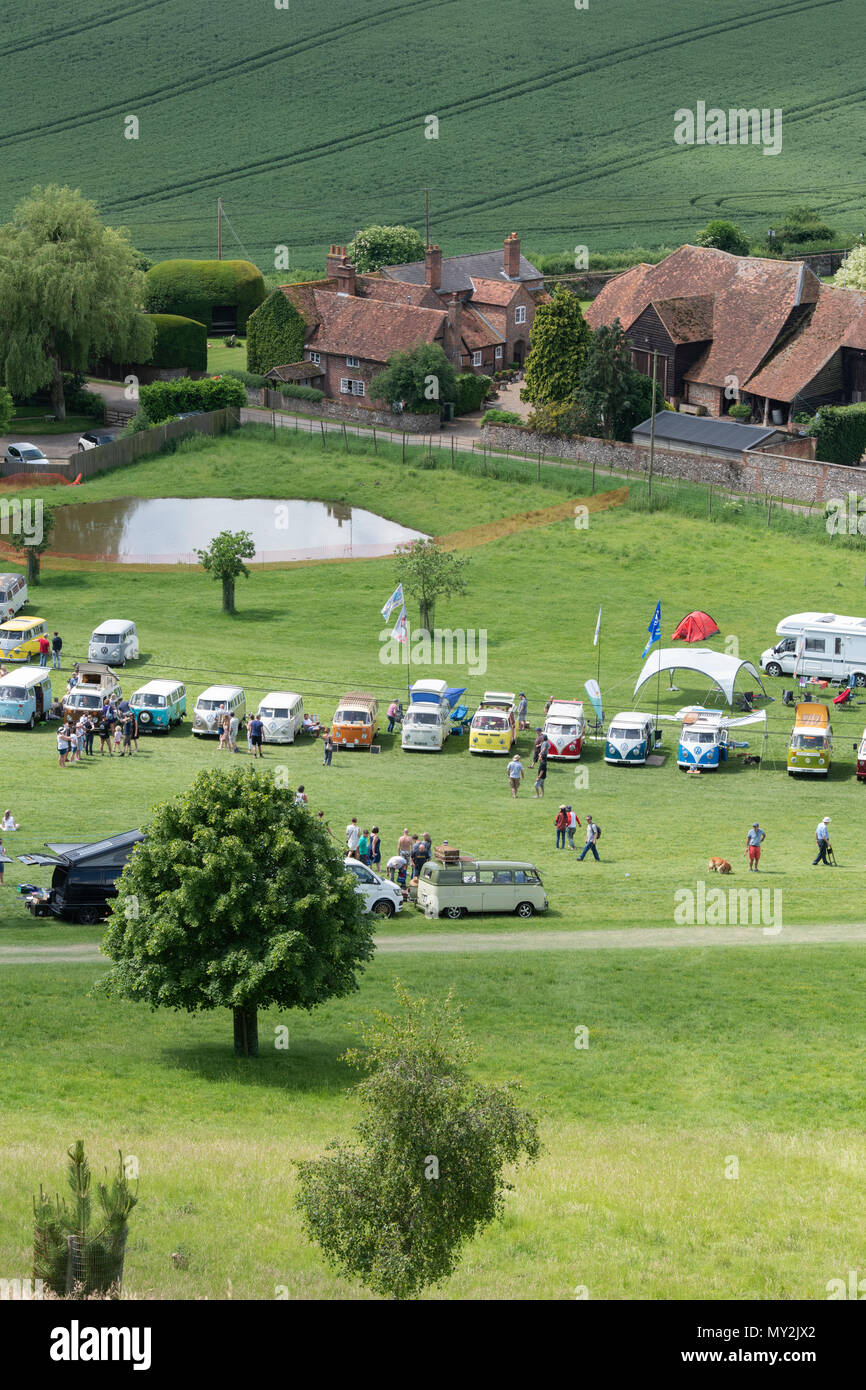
70 293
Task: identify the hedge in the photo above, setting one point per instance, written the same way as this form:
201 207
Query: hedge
471 391
163 400
251 379
840 433
275 334
193 289
179 342
502 417
300 393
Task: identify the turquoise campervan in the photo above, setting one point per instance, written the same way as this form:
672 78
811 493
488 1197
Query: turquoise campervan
25 696
159 705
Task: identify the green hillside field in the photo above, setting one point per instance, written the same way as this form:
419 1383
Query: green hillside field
311 121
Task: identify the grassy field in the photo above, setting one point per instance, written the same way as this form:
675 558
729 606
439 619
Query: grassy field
552 121
696 1056
220 358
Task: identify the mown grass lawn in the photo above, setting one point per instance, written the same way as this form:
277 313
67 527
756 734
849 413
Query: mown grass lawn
694 1056
220 357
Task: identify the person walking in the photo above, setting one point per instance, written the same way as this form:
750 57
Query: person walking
353 836
754 839
56 649
257 733
822 835
301 798
542 771
561 824
540 738
573 823
44 649
515 774
327 748
592 834
522 707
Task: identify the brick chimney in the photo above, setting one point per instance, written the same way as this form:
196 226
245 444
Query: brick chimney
332 260
512 256
433 267
453 331
345 273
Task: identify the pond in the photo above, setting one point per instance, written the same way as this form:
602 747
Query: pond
167 530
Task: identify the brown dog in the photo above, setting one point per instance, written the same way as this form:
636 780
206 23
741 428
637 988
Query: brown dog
719 866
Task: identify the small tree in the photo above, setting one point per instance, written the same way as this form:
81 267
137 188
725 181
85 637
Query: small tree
427 573
397 1211
224 559
236 900
724 236
376 246
70 292
559 341
421 377
804 224
32 546
68 1255
613 395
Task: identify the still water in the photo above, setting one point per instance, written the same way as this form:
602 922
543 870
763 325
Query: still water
166 530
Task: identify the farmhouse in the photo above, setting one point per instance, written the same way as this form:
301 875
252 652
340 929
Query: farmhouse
730 328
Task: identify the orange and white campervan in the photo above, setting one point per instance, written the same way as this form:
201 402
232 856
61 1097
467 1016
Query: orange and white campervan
356 722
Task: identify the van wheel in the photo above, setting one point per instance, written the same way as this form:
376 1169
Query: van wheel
773 669
455 913
524 910
383 908
32 722
88 917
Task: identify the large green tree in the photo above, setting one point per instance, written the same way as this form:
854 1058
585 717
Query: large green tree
70 292
613 396
428 573
397 1211
558 345
236 899
224 559
376 246
421 377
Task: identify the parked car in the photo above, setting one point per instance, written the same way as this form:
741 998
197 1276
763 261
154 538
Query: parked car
19 638
481 885
13 594
159 705
379 894
92 439
25 696
25 456
84 879
213 704
114 642
96 684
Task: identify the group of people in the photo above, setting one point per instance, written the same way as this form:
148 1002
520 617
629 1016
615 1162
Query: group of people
366 845
52 649
567 821
516 771
115 724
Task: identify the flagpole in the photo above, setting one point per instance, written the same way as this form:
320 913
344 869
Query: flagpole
408 657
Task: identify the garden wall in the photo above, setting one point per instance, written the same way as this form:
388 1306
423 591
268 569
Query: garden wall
780 475
341 410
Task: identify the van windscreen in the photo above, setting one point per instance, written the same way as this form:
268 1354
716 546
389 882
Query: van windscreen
352 716
107 637
12 692
272 712
79 699
211 704
617 731
149 701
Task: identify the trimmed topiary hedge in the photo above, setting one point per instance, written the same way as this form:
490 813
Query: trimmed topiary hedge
193 289
179 342
471 391
300 393
163 400
275 334
502 417
840 433
251 379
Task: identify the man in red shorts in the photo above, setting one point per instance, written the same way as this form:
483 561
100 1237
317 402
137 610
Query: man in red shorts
754 840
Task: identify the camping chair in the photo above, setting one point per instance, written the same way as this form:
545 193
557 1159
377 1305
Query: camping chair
843 697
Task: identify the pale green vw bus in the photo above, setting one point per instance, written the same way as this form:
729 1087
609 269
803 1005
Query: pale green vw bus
481 885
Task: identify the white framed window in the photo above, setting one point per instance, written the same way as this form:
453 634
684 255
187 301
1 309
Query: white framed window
358 388
498 354
353 361
520 314
349 387
315 357
476 359
345 386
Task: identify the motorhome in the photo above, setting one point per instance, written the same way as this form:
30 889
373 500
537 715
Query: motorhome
565 728
115 642
703 742
213 705
25 696
159 705
19 638
427 721
13 594
481 885
84 879
494 724
96 684
282 715
821 645
356 721
630 739
811 746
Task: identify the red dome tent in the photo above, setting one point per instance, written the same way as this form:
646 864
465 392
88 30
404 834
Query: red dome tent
695 627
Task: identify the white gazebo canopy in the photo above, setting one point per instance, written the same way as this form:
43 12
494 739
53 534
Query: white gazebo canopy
722 670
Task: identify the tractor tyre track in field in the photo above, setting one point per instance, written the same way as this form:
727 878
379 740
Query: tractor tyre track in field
81 26
542 940
466 105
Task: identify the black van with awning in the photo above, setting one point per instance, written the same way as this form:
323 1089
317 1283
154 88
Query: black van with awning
84 879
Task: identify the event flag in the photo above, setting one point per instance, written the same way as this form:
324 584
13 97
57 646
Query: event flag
597 629
399 631
393 602
654 629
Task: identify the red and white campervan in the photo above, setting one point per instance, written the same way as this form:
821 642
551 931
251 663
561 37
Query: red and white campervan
565 727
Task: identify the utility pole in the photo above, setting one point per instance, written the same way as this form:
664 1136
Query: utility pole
649 492
427 214
219 229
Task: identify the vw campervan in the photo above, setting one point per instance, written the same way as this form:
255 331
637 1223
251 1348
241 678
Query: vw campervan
630 739
282 715
96 684
13 594
19 638
703 740
427 722
481 885
565 727
25 696
115 642
356 722
494 724
213 705
159 705
811 746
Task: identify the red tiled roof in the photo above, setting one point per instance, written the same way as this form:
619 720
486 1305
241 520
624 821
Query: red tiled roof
493 291
817 339
397 291
687 320
476 332
371 328
295 371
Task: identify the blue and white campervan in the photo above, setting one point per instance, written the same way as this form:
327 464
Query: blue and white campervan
630 739
159 705
703 739
25 696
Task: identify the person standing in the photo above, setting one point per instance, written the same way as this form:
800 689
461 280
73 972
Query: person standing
404 844
44 649
515 774
522 707
393 712
561 824
420 855
754 839
540 738
542 771
88 727
234 725
257 730
573 823
320 817
353 836
2 862
592 834
56 649
375 848
364 847
327 748
822 835
301 798
62 744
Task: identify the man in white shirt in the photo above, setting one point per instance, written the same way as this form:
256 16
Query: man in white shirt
353 836
233 733
515 774
822 835
591 837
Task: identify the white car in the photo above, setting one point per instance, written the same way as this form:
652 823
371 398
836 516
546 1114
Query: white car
380 895
93 439
25 456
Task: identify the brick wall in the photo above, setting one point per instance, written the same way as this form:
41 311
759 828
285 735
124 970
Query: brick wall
348 408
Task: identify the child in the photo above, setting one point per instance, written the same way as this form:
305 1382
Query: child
118 736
